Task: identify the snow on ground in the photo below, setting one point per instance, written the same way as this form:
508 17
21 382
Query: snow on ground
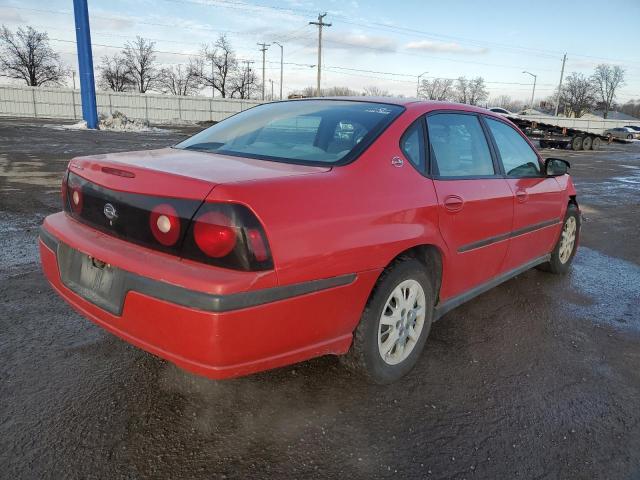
118 122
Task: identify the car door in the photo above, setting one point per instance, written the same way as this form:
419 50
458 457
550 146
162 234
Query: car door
475 204
538 200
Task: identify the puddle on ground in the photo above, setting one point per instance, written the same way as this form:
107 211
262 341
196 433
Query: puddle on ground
612 285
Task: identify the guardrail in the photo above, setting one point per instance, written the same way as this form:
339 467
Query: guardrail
65 103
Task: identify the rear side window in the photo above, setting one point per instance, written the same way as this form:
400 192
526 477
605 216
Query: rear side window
516 154
412 145
459 145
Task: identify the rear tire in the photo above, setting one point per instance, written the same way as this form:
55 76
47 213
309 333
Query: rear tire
395 323
629 137
567 245
596 143
576 143
587 143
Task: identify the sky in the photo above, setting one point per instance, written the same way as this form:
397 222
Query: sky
370 43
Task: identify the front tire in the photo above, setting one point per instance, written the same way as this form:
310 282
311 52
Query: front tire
567 245
395 323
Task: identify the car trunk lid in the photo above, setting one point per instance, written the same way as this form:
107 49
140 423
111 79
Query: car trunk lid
177 173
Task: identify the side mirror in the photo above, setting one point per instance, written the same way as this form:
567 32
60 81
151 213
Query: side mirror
556 167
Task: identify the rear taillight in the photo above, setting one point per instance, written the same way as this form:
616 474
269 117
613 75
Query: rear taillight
64 189
164 223
74 192
214 234
228 235
258 245
221 234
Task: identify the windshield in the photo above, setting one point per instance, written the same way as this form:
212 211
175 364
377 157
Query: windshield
302 131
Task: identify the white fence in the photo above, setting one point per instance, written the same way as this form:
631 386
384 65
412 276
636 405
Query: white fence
65 103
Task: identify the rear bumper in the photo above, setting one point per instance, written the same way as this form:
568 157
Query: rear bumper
221 335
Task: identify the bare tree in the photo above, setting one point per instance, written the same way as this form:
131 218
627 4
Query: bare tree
632 107
140 59
178 80
437 89
462 90
375 91
114 74
607 79
471 91
26 55
243 83
329 92
477 91
578 95
217 66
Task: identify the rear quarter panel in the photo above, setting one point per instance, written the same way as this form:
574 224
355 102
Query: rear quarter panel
354 218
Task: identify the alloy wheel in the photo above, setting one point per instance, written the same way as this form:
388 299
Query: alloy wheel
568 239
401 322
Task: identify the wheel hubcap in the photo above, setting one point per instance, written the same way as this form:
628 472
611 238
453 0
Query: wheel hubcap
401 322
568 239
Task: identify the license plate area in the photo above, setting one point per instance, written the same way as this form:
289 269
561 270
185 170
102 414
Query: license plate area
95 281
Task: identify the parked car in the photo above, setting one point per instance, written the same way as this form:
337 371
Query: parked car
501 111
626 133
635 128
309 227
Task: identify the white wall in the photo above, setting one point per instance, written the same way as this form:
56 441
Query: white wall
65 103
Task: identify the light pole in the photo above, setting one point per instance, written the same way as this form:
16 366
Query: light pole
271 90
418 86
281 65
535 77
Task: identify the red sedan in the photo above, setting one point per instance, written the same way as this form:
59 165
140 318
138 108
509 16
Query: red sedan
304 228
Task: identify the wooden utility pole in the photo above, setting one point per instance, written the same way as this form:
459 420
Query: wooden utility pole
246 75
564 60
263 50
320 24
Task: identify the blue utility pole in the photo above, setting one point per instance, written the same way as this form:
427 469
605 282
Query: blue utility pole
85 62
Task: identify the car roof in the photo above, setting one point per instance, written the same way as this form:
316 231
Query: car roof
427 105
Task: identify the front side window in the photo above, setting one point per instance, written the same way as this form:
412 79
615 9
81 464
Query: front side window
459 145
305 131
518 158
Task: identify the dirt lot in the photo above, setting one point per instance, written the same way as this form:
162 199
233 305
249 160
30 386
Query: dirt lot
539 378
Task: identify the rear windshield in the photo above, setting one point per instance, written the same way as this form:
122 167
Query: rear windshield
302 131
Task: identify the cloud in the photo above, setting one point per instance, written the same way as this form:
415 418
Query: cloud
112 23
9 15
441 47
361 41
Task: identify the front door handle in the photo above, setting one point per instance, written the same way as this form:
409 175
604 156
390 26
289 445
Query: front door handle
522 196
453 203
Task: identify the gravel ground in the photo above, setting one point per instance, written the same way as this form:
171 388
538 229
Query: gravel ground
538 378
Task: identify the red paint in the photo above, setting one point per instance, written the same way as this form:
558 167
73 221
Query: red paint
320 222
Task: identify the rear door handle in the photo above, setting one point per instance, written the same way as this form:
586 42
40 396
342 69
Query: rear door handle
522 196
453 203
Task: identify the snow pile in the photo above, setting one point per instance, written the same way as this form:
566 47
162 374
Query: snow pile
82 125
120 122
117 122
